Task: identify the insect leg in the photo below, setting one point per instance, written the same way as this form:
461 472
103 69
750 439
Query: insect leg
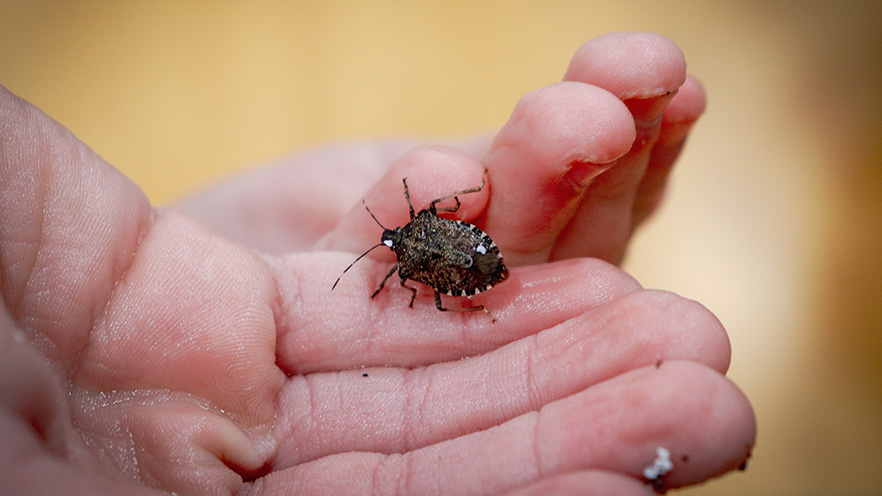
439 306
388 275
412 290
455 196
438 302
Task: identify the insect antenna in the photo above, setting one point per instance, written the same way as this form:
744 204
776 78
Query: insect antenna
365 253
372 216
353 263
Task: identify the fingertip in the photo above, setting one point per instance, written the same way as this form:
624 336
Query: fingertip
630 65
720 411
432 172
681 114
703 421
568 122
689 103
662 326
714 408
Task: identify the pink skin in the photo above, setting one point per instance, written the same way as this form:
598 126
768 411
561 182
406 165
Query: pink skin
143 353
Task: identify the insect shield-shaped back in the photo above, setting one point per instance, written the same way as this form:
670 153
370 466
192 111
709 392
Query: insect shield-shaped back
450 256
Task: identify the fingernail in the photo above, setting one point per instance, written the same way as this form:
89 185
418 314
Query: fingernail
647 112
581 174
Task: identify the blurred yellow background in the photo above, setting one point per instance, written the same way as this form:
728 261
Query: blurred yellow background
775 215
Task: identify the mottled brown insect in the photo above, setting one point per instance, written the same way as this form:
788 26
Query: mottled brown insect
450 256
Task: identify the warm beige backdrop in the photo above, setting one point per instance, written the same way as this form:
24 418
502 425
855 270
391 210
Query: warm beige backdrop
775 218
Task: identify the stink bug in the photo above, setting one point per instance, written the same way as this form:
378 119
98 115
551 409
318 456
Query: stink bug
450 256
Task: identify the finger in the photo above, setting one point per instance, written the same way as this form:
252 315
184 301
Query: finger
181 365
289 205
615 426
38 441
678 118
147 316
70 225
357 331
557 139
677 405
644 71
395 410
432 172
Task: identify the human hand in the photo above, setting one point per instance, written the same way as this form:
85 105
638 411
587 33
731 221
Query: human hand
142 352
